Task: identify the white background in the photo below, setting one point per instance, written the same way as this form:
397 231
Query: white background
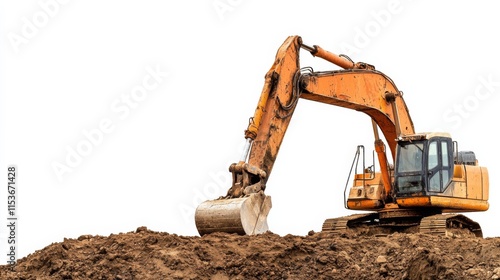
65 67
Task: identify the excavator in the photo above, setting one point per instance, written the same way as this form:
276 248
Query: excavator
424 188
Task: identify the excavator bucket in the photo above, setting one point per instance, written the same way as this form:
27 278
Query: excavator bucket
245 216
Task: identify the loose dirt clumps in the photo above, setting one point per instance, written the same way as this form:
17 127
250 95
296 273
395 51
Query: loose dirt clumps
146 254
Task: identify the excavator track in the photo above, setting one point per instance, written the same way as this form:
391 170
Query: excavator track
438 224
450 225
341 224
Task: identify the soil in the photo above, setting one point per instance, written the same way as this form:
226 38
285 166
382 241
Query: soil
146 254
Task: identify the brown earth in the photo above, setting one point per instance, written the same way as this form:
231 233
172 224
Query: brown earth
146 254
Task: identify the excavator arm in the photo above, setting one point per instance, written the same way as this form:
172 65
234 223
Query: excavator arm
358 86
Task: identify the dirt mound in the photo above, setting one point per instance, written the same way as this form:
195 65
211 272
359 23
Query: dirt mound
145 254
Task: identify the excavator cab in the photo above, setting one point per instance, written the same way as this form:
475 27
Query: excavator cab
431 173
423 166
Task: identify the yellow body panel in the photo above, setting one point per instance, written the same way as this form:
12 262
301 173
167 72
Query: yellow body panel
367 192
448 204
364 204
468 191
470 182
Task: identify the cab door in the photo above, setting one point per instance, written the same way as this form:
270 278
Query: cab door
439 164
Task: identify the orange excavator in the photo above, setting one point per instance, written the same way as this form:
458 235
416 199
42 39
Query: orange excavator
425 187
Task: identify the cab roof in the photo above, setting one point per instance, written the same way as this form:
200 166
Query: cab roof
423 136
